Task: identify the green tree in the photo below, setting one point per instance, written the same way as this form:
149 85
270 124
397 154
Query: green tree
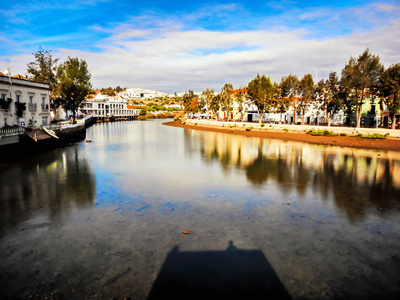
44 69
206 98
327 92
226 99
240 96
360 77
187 100
389 87
215 103
74 84
307 95
289 89
263 92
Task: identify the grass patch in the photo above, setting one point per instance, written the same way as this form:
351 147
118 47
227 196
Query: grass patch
375 136
321 133
357 135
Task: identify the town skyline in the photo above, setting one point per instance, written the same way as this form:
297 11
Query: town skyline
176 46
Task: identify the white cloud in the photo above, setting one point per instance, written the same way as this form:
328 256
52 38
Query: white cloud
174 62
162 55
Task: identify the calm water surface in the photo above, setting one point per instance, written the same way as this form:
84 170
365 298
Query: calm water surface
105 219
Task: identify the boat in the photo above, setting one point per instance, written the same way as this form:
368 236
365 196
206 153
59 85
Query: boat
50 132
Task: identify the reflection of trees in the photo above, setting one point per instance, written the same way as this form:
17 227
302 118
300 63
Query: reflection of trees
357 180
53 182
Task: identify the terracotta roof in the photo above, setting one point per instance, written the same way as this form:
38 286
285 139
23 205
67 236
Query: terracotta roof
237 91
18 76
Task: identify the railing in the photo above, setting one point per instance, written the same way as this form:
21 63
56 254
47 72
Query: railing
32 106
52 126
68 124
11 131
45 106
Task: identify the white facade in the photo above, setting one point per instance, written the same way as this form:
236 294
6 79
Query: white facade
136 93
106 106
23 103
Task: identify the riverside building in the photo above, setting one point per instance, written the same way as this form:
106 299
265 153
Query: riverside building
104 106
23 102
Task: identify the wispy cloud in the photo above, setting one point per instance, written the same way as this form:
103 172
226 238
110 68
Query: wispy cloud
173 52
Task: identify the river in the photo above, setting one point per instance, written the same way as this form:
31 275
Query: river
104 220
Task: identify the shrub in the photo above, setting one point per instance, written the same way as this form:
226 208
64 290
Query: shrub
322 133
180 116
141 118
262 125
375 136
343 134
249 128
285 129
149 116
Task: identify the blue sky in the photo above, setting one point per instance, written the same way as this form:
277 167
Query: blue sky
176 45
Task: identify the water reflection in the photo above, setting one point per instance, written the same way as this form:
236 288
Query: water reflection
357 180
50 183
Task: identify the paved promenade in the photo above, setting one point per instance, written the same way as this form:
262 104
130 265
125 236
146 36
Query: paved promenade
299 128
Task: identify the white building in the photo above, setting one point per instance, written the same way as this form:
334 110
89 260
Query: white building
106 106
137 93
23 102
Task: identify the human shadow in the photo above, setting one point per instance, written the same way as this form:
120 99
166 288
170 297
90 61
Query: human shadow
229 274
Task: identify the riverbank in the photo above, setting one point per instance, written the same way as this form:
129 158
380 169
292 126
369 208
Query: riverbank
294 133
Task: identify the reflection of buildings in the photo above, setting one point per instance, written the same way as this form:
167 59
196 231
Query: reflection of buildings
357 179
56 181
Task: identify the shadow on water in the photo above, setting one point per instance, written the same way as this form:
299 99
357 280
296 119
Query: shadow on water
229 274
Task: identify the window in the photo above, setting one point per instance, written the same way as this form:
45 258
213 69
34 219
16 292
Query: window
3 96
30 99
43 100
44 120
18 98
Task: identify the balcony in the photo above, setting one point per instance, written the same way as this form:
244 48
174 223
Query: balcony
11 131
32 106
45 106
